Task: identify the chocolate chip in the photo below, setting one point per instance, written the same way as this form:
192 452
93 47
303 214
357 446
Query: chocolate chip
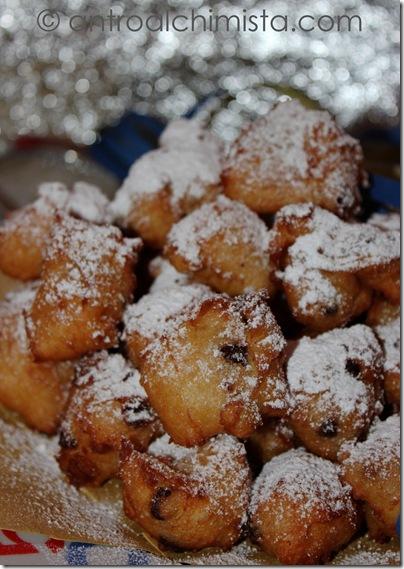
127 376
131 410
353 368
328 428
235 353
330 310
320 250
160 495
66 440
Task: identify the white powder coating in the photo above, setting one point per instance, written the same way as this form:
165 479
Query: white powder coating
305 479
84 200
90 251
335 245
162 312
381 447
225 219
205 466
163 446
315 289
17 303
109 377
187 173
292 145
331 245
259 316
190 133
166 276
375 555
389 221
320 367
389 335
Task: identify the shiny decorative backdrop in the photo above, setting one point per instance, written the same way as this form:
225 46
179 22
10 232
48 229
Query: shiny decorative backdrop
70 84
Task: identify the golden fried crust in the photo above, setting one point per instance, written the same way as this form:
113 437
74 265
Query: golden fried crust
295 155
224 245
384 279
382 312
372 469
154 214
37 391
336 383
22 241
107 407
273 438
328 268
87 278
352 299
91 440
301 517
195 502
221 371
153 217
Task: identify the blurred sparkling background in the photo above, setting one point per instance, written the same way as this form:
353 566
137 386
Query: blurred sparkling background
70 84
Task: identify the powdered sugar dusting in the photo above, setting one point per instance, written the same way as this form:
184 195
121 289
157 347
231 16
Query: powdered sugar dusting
293 144
315 289
16 303
389 335
163 446
190 133
225 219
110 376
87 247
165 275
85 201
380 448
47 503
205 466
334 245
389 221
320 366
330 244
306 479
187 174
163 311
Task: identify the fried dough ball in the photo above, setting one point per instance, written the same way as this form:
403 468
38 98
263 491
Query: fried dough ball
87 278
189 498
328 267
210 364
38 392
222 244
300 510
26 232
295 155
372 469
335 382
107 406
167 183
273 438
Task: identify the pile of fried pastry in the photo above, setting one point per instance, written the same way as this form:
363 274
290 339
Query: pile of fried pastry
223 337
